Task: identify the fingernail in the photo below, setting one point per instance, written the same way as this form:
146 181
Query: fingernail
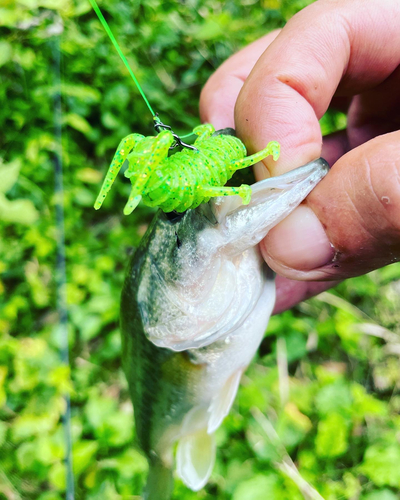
298 242
221 121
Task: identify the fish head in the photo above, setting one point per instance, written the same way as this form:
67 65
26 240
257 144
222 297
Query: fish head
272 200
201 273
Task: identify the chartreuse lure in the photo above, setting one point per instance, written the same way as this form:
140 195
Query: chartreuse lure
185 179
188 177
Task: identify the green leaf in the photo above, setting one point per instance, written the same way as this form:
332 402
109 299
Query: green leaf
57 477
260 487
295 346
209 30
5 52
9 175
381 465
128 464
83 453
334 398
17 211
117 430
3 433
83 92
365 404
292 426
380 495
26 455
332 436
50 495
98 409
28 425
78 123
89 175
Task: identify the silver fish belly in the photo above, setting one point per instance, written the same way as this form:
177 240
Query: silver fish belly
195 305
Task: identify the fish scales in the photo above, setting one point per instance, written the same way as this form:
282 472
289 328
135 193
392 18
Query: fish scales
195 305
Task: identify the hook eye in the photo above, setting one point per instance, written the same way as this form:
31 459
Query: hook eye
159 125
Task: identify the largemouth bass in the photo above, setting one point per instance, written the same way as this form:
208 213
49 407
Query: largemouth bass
195 305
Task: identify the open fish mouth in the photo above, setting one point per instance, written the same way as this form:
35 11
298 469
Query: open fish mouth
205 284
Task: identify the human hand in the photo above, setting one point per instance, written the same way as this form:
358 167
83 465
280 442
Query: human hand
339 53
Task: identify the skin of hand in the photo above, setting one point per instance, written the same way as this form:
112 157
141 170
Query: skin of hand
339 53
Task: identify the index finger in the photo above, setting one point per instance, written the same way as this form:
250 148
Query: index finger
343 47
218 97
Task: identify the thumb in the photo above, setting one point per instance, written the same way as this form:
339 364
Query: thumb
349 224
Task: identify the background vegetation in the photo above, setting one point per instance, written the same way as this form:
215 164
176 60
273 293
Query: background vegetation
325 385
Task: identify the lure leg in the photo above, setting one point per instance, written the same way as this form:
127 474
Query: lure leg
124 148
273 148
244 191
204 131
158 153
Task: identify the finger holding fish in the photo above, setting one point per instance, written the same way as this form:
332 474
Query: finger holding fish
339 53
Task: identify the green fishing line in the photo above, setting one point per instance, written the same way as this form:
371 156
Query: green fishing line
121 55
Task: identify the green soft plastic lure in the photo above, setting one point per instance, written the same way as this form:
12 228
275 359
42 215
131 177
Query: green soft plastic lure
187 178
182 180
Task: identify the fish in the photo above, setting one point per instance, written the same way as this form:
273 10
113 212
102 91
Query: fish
195 305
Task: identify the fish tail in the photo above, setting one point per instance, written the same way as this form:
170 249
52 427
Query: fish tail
160 482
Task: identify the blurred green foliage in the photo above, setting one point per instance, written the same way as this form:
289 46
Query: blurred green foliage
336 413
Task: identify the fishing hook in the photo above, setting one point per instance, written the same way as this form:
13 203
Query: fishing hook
159 125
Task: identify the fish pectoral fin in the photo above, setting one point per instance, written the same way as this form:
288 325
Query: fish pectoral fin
222 401
196 451
195 458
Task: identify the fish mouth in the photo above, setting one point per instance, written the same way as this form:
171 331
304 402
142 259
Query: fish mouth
219 208
306 177
312 171
204 277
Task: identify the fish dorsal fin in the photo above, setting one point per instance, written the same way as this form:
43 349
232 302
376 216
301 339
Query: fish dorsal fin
195 458
222 401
